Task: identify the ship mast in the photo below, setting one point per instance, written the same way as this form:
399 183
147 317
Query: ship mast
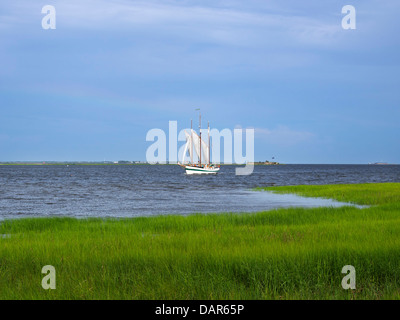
191 140
200 135
209 144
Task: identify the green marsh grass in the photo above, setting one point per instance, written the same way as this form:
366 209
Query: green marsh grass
291 253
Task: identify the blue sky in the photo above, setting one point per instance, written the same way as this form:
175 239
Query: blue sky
112 70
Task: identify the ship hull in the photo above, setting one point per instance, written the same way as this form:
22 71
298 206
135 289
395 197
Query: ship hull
201 170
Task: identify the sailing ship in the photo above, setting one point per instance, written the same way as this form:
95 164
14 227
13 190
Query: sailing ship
194 144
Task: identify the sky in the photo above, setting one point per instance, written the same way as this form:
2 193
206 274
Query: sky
112 70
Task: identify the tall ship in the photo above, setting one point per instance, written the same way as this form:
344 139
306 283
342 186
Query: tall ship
196 145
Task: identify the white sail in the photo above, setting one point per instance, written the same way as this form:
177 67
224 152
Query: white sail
189 143
205 155
205 152
196 143
188 148
184 152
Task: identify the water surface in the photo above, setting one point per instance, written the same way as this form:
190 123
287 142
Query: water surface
145 190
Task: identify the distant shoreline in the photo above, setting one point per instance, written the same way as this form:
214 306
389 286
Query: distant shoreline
83 163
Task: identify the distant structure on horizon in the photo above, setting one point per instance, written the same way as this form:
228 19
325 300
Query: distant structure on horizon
379 163
266 162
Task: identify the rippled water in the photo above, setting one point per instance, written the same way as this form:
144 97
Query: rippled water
144 190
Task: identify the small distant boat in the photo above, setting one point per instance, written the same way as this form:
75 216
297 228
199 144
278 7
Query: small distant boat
202 150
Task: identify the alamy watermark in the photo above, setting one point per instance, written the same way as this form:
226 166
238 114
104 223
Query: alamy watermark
349 20
232 146
49 281
49 20
349 281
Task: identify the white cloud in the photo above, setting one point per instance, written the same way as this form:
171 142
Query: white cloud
182 37
283 136
227 23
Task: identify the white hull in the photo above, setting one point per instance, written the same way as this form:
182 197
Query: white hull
200 170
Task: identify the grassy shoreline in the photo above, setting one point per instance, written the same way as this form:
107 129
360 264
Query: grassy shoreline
291 253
